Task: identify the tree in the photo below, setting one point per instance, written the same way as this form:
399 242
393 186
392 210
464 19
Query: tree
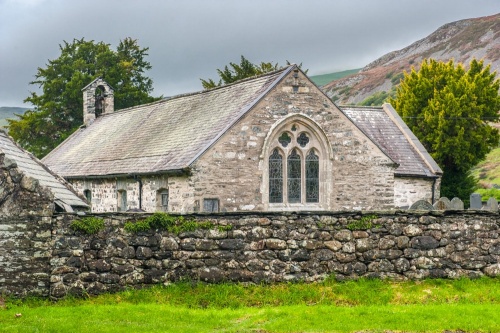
237 72
58 109
449 109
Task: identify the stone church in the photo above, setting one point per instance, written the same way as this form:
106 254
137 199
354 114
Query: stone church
270 143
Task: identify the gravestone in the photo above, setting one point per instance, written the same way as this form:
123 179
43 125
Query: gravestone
421 205
442 204
475 201
492 205
456 204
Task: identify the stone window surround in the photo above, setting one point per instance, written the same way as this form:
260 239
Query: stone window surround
160 196
122 201
318 141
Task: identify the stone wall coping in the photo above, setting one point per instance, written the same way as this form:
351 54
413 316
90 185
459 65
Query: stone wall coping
299 213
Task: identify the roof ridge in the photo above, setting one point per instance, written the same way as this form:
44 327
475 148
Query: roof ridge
166 99
368 107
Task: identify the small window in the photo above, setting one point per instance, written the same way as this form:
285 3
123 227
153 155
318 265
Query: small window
164 199
88 195
211 205
122 201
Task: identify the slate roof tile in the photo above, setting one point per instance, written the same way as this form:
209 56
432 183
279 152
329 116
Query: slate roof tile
394 137
161 136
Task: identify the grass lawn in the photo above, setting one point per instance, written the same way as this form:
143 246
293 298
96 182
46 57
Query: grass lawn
365 305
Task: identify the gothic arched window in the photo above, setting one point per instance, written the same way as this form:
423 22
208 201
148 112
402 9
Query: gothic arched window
275 177
294 176
294 164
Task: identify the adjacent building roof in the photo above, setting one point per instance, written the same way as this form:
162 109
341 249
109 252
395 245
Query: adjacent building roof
162 136
384 126
64 196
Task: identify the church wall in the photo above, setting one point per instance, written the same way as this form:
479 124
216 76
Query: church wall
105 196
234 169
408 190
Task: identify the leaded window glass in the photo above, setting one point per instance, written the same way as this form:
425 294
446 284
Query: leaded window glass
312 177
275 177
284 139
294 176
303 139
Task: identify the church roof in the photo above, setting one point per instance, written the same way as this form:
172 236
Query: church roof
32 167
167 135
385 127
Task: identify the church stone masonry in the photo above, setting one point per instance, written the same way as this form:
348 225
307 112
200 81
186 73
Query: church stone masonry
271 143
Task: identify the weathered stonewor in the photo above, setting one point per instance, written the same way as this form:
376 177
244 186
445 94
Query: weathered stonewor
25 232
271 247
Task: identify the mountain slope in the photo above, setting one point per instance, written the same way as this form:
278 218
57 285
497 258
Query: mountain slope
461 40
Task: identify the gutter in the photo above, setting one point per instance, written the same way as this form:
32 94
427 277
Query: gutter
176 172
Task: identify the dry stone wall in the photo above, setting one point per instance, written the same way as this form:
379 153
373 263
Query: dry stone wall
26 210
276 247
44 256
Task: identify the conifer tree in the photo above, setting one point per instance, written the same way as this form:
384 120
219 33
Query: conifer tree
450 110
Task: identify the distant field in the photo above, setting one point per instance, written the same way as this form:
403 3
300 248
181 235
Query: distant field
323 79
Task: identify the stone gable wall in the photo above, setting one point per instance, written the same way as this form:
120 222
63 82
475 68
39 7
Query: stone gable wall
234 169
26 210
261 247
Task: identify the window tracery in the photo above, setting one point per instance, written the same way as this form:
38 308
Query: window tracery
294 164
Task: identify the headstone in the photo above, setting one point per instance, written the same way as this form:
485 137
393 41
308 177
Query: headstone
442 204
456 204
492 205
421 205
475 201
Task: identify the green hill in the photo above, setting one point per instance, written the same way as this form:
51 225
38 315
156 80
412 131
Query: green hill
323 79
9 112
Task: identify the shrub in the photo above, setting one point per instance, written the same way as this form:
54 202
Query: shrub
170 223
88 225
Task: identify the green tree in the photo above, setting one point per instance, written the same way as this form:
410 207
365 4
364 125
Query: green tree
58 109
449 109
235 72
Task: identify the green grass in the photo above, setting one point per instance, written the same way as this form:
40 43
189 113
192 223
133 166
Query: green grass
365 305
488 171
323 79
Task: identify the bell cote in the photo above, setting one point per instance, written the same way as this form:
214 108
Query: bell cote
98 100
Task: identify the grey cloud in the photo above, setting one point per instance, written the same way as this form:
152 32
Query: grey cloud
189 39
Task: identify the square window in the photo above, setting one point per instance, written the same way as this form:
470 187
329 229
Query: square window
211 205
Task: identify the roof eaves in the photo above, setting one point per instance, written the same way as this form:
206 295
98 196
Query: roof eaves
412 139
244 111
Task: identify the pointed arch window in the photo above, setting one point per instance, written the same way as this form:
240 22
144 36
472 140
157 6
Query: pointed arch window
294 165
294 177
276 177
312 177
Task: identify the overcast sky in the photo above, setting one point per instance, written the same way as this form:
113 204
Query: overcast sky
189 39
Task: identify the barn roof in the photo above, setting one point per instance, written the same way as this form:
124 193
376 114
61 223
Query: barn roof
32 167
384 126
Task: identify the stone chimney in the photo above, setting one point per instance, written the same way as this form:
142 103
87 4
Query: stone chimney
98 100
